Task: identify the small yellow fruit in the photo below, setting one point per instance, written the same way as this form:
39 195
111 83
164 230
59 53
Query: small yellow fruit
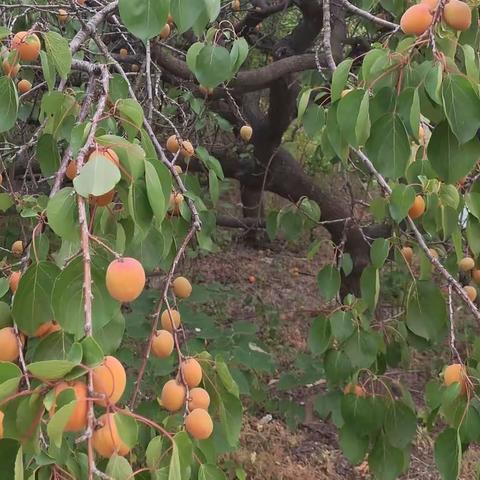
192 372
166 320
173 396
457 15
466 264
356 389
476 275
162 344
165 32
13 281
173 145
123 53
63 16
106 440
182 287
17 248
418 208
416 20
455 373
471 292
407 253
24 86
198 398
135 68
199 424
186 149
236 5
246 133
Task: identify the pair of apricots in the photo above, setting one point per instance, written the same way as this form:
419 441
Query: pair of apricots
26 46
418 18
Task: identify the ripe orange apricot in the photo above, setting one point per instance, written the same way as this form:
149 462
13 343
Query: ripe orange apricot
192 372
416 19
186 149
109 380
165 32
24 86
2 415
162 344
182 287
198 398
173 396
418 208
236 5
199 424
106 439
173 145
407 253
17 248
46 329
246 133
455 373
13 281
27 45
471 292
167 318
78 418
102 200
466 264
170 20
123 53
62 16
356 389
8 345
10 69
80 2
252 279
125 279
71 171
457 15
476 275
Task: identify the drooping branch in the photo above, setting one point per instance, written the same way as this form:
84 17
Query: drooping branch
363 13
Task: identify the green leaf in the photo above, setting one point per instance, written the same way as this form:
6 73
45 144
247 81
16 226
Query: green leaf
48 68
449 196
67 297
48 155
192 55
213 186
347 114
426 310
62 214
58 422
238 53
337 366
363 415
400 424
462 107
339 78
388 146
409 110
174 472
210 472
144 18
225 376
139 207
450 160
370 286
154 452
5 202
186 13
320 335
328 280
51 369
303 103
342 324
19 468
230 410
119 468
212 66
131 116
353 446
362 348
314 120
92 352
32 301
363 126
471 66
379 252
8 103
385 461
448 454
10 376
155 192
8 453
400 201
97 177
59 52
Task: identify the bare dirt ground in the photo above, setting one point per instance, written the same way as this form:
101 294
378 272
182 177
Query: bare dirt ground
285 281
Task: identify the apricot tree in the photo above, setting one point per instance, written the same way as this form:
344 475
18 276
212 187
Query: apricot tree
121 119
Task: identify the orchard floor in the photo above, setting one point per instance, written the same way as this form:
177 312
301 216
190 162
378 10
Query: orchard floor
285 281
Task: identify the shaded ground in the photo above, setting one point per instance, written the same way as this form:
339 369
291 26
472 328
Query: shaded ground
285 281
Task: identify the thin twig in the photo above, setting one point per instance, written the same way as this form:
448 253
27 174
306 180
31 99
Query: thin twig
327 33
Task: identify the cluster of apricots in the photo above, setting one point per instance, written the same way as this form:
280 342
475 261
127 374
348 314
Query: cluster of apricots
183 390
418 18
